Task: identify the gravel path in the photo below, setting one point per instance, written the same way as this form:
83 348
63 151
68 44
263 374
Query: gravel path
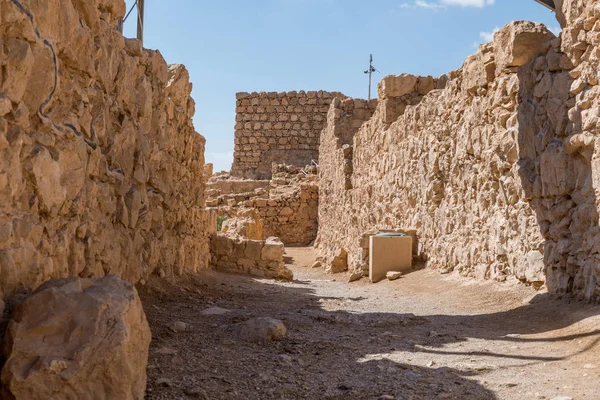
424 336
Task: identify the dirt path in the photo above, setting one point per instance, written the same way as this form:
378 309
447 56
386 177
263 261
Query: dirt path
425 336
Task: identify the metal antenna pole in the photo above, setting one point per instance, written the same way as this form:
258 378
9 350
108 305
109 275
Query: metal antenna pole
140 27
370 72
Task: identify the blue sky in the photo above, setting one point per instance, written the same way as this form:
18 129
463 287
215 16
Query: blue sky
234 46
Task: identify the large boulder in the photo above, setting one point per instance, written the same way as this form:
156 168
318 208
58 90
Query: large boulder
518 42
77 339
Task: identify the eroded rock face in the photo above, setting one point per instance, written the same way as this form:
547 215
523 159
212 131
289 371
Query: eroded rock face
495 171
77 339
101 170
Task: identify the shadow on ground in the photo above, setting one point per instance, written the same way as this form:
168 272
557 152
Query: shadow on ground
327 354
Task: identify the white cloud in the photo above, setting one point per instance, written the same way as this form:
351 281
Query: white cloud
468 3
431 6
441 4
488 36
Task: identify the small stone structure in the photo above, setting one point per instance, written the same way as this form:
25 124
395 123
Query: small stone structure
262 258
278 127
284 207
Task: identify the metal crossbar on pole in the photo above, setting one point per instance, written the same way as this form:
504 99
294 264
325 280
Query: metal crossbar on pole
139 4
370 72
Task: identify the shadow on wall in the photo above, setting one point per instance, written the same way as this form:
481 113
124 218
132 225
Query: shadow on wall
556 175
337 354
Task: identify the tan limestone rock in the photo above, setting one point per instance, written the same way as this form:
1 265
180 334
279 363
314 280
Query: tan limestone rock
396 86
78 338
518 42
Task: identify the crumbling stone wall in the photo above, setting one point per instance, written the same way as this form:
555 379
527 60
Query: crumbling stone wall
101 170
262 258
286 208
450 166
277 127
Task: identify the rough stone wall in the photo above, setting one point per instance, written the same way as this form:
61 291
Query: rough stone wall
286 208
101 170
262 258
560 117
277 127
449 166
290 216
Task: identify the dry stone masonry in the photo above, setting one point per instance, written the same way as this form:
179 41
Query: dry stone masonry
285 207
101 170
493 167
282 128
261 258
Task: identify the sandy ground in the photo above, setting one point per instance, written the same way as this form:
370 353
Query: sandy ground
424 336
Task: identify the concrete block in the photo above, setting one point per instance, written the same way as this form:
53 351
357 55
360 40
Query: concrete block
389 253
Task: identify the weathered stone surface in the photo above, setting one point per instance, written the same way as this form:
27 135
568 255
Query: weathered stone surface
467 167
104 173
277 127
396 86
253 257
261 330
285 207
393 275
77 338
518 42
273 249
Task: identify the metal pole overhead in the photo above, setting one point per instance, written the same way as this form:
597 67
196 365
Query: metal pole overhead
370 72
547 3
140 26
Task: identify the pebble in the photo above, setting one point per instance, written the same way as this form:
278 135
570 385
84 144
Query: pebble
355 276
164 382
393 275
215 311
196 392
166 351
179 326
259 330
590 366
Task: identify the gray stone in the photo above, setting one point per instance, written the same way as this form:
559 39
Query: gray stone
259 330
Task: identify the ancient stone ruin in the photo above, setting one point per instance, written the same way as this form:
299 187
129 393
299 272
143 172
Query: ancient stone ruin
492 170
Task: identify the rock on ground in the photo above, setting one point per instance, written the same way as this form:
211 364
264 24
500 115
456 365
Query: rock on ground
393 275
260 330
77 339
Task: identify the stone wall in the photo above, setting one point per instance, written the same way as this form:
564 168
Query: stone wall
285 208
101 170
277 127
262 258
473 165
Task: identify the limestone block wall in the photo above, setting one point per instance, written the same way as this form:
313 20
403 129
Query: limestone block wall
277 127
286 208
262 258
290 216
101 170
478 168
